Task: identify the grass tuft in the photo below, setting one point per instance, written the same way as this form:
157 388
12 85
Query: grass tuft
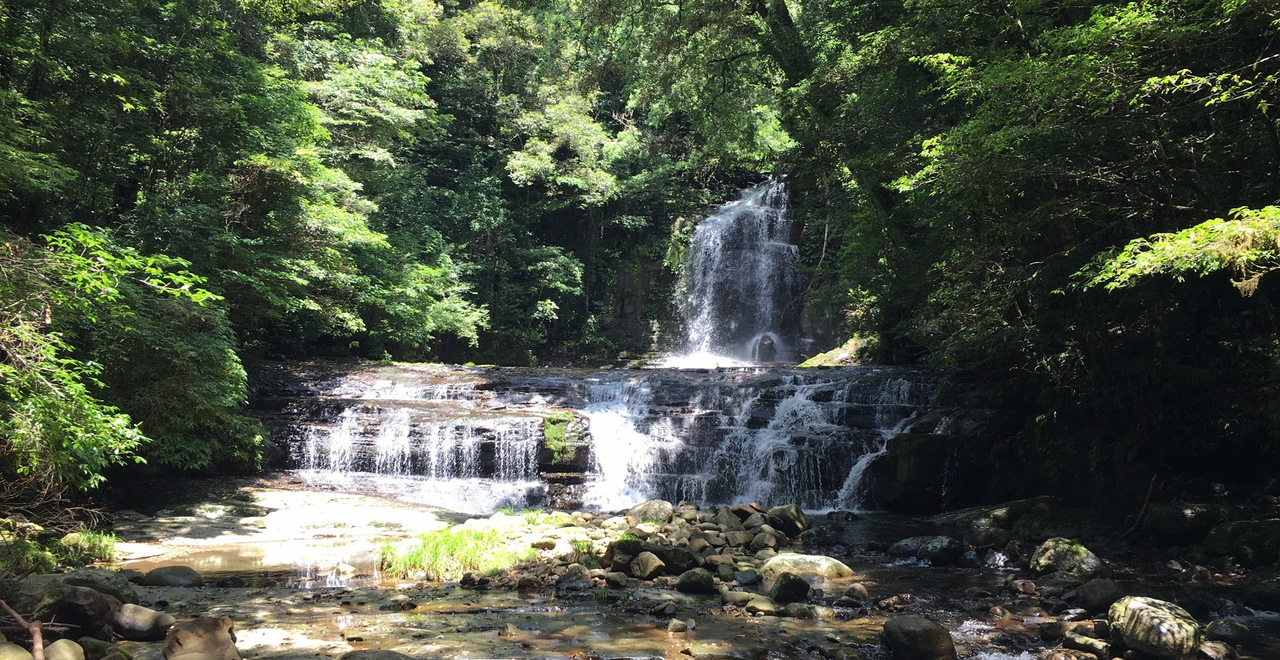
448 554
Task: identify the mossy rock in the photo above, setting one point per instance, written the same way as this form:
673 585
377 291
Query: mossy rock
1250 542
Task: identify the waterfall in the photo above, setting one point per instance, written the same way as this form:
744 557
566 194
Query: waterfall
474 439
739 295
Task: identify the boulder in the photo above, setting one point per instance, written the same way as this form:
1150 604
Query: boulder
1098 594
11 651
576 578
677 560
63 649
787 562
696 581
1061 554
940 551
908 547
172 576
615 580
789 519
762 605
1155 627
48 598
96 649
140 624
103 581
1183 523
789 588
209 638
913 637
646 566
1250 542
654 510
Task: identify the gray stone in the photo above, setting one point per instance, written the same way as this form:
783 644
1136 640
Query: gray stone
140 624
103 581
1078 642
737 597
789 519
908 547
96 649
913 637
940 551
1211 650
1155 627
654 510
202 638
576 578
762 605
789 562
696 581
747 578
1061 554
172 576
739 538
616 580
646 566
678 626
374 654
789 588
1262 591
63 649
1098 594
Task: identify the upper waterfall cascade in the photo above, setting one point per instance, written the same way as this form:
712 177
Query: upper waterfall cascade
477 439
741 286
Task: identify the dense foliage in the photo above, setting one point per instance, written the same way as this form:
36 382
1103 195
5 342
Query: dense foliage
1069 198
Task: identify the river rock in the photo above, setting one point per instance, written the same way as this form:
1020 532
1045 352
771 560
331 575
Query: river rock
63 649
908 547
103 581
677 560
1177 522
1262 591
659 511
820 565
646 566
739 598
375 654
739 538
940 551
1231 632
1078 642
1061 554
96 649
913 637
1098 594
140 624
1155 627
696 581
762 605
615 580
172 576
1250 542
789 588
11 651
203 638
789 519
576 578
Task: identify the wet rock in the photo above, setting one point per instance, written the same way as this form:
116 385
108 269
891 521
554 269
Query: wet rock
908 547
1099 648
1250 542
576 578
63 649
678 626
509 630
789 588
103 581
1098 594
11 651
172 576
940 551
140 624
1262 591
738 539
615 580
739 598
1155 627
646 566
747 578
765 540
1055 584
1182 522
203 638
820 565
755 521
659 511
1211 650
789 519
96 649
762 606
676 560
696 581
913 637
1231 632
527 584
1061 554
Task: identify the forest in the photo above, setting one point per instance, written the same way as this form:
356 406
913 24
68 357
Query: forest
1076 203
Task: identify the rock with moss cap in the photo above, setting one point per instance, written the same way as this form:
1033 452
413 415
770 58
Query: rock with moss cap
1069 556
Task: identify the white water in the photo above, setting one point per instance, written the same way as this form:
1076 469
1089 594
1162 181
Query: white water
739 299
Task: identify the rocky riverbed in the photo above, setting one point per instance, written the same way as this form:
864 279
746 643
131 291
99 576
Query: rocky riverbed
295 571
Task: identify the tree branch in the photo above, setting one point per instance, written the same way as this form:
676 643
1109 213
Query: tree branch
37 639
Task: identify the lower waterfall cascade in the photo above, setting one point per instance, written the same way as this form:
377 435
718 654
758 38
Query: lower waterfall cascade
477 439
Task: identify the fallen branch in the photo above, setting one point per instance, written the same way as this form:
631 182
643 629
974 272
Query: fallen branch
37 639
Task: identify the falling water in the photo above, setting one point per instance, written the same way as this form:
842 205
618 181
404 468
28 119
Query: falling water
741 285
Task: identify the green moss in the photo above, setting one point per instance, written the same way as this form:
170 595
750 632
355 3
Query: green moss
559 436
448 554
87 546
